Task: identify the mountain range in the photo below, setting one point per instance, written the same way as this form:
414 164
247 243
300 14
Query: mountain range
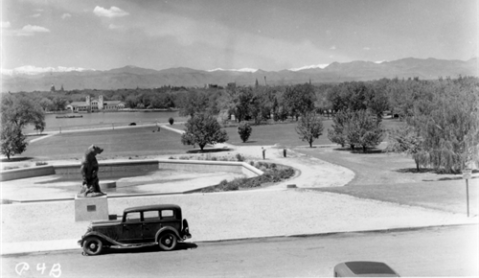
134 77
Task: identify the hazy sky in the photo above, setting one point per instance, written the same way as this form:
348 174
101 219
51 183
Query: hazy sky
207 34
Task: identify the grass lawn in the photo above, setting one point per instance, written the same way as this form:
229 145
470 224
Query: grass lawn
134 142
442 195
393 178
285 134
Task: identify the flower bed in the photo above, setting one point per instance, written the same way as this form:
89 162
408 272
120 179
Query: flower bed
272 173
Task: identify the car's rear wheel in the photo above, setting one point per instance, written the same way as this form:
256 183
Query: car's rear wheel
92 246
167 241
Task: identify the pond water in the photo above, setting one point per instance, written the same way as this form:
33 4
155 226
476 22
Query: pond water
105 119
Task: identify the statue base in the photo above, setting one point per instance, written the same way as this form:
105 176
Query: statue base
91 208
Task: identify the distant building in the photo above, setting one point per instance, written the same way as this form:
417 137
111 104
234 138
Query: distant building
95 105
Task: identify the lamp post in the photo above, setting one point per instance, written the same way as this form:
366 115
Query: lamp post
466 175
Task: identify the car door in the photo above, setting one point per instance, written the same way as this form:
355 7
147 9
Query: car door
132 228
151 224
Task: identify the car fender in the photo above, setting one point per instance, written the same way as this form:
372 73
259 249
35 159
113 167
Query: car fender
174 231
101 236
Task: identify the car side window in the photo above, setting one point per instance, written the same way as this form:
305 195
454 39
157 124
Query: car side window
133 217
150 216
167 214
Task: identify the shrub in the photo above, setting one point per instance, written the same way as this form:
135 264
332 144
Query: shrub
239 157
244 130
171 121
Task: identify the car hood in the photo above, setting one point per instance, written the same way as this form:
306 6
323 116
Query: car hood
105 223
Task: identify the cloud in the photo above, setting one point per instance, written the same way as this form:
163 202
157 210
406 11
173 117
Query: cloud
29 30
366 48
66 15
36 15
110 13
5 24
333 47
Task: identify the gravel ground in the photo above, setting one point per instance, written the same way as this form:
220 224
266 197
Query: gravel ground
235 215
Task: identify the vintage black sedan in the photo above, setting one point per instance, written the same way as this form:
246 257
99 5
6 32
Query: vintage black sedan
160 225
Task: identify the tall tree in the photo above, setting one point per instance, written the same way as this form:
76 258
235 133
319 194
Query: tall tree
12 140
21 111
447 123
17 112
299 99
337 134
406 140
310 127
364 130
203 129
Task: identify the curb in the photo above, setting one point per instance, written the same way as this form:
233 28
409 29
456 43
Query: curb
68 247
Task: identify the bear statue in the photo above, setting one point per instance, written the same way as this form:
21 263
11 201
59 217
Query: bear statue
89 172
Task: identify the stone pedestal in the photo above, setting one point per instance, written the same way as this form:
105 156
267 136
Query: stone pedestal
93 208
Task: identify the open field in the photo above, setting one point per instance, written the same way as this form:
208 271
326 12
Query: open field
133 142
285 134
441 195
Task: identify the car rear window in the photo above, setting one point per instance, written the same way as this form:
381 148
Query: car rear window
151 215
167 213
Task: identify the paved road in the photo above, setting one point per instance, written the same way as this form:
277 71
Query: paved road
444 251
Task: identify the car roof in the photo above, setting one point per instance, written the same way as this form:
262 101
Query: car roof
152 207
370 268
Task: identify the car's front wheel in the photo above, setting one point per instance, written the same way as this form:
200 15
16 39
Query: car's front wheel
167 241
92 246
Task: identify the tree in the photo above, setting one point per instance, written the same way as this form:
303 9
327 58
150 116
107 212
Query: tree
310 127
407 141
197 102
364 129
203 129
244 130
17 112
356 128
21 111
337 133
243 99
12 140
448 124
299 99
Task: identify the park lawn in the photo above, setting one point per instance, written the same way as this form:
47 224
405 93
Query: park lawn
447 196
285 134
393 178
125 143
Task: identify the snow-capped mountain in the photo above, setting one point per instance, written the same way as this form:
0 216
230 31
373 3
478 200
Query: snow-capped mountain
239 70
319 66
33 70
21 79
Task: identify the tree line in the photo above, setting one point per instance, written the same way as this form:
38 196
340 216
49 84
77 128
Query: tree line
441 115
